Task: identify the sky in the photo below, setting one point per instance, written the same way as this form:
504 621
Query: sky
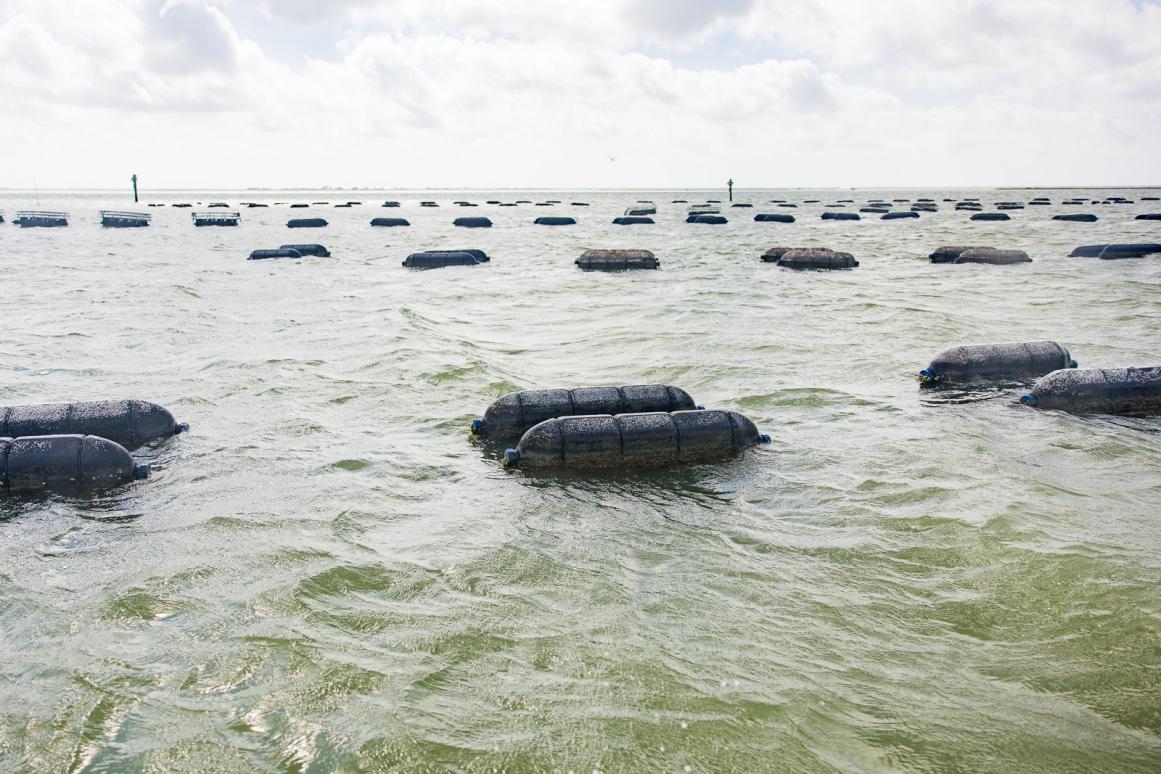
585 94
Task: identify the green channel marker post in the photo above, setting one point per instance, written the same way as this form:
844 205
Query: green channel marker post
134 189
731 187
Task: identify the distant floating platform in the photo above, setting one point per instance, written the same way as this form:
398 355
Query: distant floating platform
41 219
114 219
215 218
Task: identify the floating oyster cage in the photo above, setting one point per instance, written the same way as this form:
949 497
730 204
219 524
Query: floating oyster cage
41 218
215 218
114 219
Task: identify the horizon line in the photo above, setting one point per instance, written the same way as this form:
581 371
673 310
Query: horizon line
287 189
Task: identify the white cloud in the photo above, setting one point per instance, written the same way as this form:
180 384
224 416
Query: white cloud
480 92
189 37
683 21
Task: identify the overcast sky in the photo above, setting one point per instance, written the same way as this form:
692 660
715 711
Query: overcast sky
592 93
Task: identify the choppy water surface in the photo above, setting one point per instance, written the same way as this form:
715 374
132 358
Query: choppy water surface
325 573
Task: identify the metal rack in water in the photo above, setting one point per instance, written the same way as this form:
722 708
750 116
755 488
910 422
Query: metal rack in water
114 219
41 219
215 218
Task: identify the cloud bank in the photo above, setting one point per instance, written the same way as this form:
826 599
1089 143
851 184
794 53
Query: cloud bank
402 93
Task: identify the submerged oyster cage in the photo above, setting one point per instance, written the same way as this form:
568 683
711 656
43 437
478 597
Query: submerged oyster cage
215 218
114 219
41 218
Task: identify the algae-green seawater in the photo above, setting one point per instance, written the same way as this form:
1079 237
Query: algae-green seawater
327 574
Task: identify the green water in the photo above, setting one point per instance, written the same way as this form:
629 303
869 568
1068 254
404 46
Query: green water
327 575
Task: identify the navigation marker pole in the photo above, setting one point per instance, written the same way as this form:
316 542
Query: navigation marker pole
134 179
